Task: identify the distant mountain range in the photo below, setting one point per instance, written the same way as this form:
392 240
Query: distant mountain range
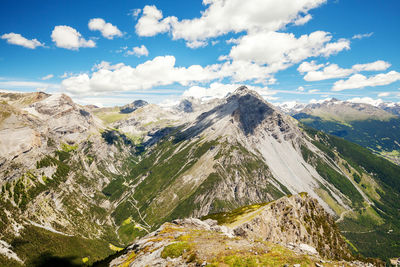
84 182
374 127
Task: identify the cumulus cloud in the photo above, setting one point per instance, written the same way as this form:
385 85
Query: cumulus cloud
360 81
47 77
331 71
18 39
159 71
280 50
309 66
300 89
69 38
220 90
222 17
108 30
302 20
362 36
373 66
138 51
151 22
196 44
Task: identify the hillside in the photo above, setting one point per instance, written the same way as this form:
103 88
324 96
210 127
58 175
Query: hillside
375 128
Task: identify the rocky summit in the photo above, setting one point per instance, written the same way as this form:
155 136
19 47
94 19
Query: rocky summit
79 184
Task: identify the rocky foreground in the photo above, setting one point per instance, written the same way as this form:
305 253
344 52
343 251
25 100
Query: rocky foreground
292 231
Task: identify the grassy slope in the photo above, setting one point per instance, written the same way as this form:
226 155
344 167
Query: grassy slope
378 135
365 231
39 246
36 244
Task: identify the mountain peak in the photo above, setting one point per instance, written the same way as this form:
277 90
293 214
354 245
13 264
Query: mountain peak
244 90
241 89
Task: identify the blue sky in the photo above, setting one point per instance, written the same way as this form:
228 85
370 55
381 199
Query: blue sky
112 52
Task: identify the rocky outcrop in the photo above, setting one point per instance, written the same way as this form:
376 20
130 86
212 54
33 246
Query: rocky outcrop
263 237
297 220
129 108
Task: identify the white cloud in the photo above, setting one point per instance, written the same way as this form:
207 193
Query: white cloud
222 17
135 12
47 77
331 71
366 100
18 39
108 30
373 66
65 75
336 47
384 94
315 101
360 81
233 41
302 20
151 22
313 91
196 44
69 38
281 50
104 65
361 36
309 66
159 71
300 89
40 86
220 90
138 51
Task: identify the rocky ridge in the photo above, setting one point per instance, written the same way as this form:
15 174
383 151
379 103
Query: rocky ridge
291 230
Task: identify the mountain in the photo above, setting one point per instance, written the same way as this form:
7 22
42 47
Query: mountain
370 126
129 108
86 181
291 230
392 107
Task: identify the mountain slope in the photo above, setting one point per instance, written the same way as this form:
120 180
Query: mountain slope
379 179
364 124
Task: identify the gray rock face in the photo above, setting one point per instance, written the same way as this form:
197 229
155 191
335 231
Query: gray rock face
185 106
296 220
129 108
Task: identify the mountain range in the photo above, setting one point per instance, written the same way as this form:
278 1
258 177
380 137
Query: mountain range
374 127
79 183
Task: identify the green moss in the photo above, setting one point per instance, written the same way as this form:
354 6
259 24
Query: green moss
175 250
232 216
68 148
